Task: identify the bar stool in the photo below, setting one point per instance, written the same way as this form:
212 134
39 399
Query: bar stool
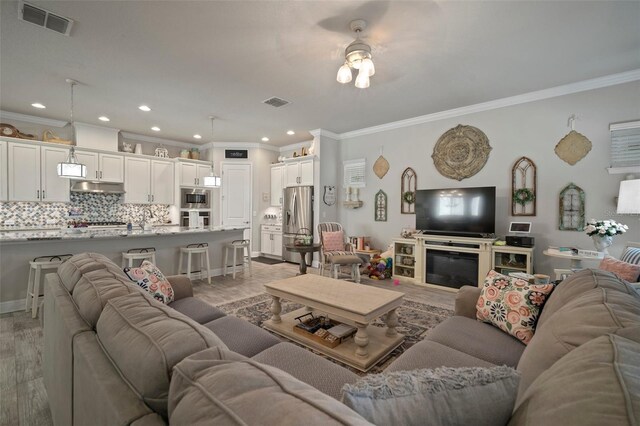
36 266
199 248
145 253
236 245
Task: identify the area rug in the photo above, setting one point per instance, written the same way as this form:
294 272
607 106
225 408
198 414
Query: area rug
415 320
267 260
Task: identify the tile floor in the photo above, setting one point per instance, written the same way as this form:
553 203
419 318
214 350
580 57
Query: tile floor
23 399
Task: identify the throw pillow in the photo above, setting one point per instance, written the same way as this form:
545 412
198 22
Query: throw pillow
511 304
631 255
150 278
443 396
332 241
623 270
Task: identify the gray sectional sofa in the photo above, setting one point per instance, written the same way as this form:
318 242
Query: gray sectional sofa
114 355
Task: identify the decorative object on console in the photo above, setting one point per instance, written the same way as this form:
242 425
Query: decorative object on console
571 208
409 182
162 152
603 231
625 271
511 304
523 188
138 149
357 55
380 204
461 152
72 169
8 130
150 278
49 136
574 146
381 166
184 153
194 154
127 147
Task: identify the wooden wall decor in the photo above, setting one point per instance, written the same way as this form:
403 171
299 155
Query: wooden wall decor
523 188
380 204
573 147
571 208
409 182
461 152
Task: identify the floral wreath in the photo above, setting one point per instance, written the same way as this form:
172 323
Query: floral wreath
523 196
409 197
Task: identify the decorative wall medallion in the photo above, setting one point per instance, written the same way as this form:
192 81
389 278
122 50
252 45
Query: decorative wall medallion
408 191
381 206
381 167
571 208
523 188
461 152
573 147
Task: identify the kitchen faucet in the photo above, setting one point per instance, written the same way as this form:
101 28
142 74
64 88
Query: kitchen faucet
144 225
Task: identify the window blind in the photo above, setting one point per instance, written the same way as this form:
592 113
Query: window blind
625 144
354 171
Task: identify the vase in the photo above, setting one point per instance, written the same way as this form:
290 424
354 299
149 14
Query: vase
602 243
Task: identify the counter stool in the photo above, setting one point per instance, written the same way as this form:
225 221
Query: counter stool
199 248
347 259
36 266
236 245
145 253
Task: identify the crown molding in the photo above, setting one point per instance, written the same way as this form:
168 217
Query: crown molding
153 139
326 133
567 89
32 119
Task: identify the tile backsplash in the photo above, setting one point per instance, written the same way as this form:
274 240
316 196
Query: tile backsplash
89 207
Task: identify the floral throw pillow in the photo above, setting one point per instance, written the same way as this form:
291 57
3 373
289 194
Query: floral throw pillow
150 278
511 304
333 241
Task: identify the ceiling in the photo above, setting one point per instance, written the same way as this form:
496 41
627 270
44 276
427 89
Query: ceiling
188 60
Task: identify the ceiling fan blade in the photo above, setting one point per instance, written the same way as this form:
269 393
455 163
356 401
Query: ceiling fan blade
372 12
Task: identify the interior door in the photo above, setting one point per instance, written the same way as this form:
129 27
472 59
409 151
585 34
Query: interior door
236 195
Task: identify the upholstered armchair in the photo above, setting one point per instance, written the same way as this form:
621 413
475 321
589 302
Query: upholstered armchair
332 243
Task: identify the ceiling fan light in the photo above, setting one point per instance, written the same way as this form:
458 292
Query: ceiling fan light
344 74
362 80
367 65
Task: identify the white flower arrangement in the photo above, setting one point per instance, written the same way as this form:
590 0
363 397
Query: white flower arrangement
604 228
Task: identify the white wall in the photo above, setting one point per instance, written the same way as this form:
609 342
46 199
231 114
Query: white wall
532 130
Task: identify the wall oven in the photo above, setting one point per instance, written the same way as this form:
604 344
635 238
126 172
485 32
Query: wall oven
185 221
195 198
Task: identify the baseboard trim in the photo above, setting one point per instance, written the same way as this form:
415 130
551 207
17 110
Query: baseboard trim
11 306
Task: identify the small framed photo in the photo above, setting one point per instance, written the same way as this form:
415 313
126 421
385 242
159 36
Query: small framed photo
520 227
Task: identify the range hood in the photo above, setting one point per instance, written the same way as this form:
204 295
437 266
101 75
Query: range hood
97 187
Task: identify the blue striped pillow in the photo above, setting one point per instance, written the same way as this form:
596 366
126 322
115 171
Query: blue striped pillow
631 255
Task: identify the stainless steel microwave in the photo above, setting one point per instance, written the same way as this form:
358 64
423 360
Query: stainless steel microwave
195 198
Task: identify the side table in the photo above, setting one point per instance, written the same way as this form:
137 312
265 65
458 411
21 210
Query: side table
303 250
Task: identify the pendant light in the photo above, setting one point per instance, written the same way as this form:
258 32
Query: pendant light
212 181
71 169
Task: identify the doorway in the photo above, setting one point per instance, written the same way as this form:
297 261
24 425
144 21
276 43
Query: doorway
236 196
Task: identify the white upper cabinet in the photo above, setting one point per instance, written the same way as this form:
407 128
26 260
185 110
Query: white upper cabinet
192 174
33 175
102 167
162 182
277 179
299 172
3 171
137 182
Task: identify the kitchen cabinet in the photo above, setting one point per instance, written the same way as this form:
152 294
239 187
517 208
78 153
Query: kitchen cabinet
33 175
298 172
192 174
148 181
3 171
277 179
102 167
271 240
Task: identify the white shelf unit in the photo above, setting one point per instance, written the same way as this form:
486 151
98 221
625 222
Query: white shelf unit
405 251
506 259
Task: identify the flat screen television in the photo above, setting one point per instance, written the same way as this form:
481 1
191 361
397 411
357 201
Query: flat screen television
465 212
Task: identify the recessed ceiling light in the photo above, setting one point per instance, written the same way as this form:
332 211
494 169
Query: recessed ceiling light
104 118
38 105
155 128
144 108
291 132
265 139
197 137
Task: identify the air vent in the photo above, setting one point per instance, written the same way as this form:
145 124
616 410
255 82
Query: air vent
44 18
276 102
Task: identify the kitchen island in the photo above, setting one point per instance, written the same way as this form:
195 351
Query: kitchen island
17 248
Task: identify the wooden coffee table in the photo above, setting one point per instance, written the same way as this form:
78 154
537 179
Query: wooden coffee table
347 302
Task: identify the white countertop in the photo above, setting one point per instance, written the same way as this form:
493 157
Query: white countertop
87 233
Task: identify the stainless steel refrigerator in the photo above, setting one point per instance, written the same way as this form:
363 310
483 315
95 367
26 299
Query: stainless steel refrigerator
297 213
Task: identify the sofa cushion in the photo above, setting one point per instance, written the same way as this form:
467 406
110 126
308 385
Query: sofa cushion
197 309
592 314
145 339
225 392
306 366
578 283
623 270
596 384
512 304
444 396
631 255
71 271
241 336
150 278
478 339
94 289
429 354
